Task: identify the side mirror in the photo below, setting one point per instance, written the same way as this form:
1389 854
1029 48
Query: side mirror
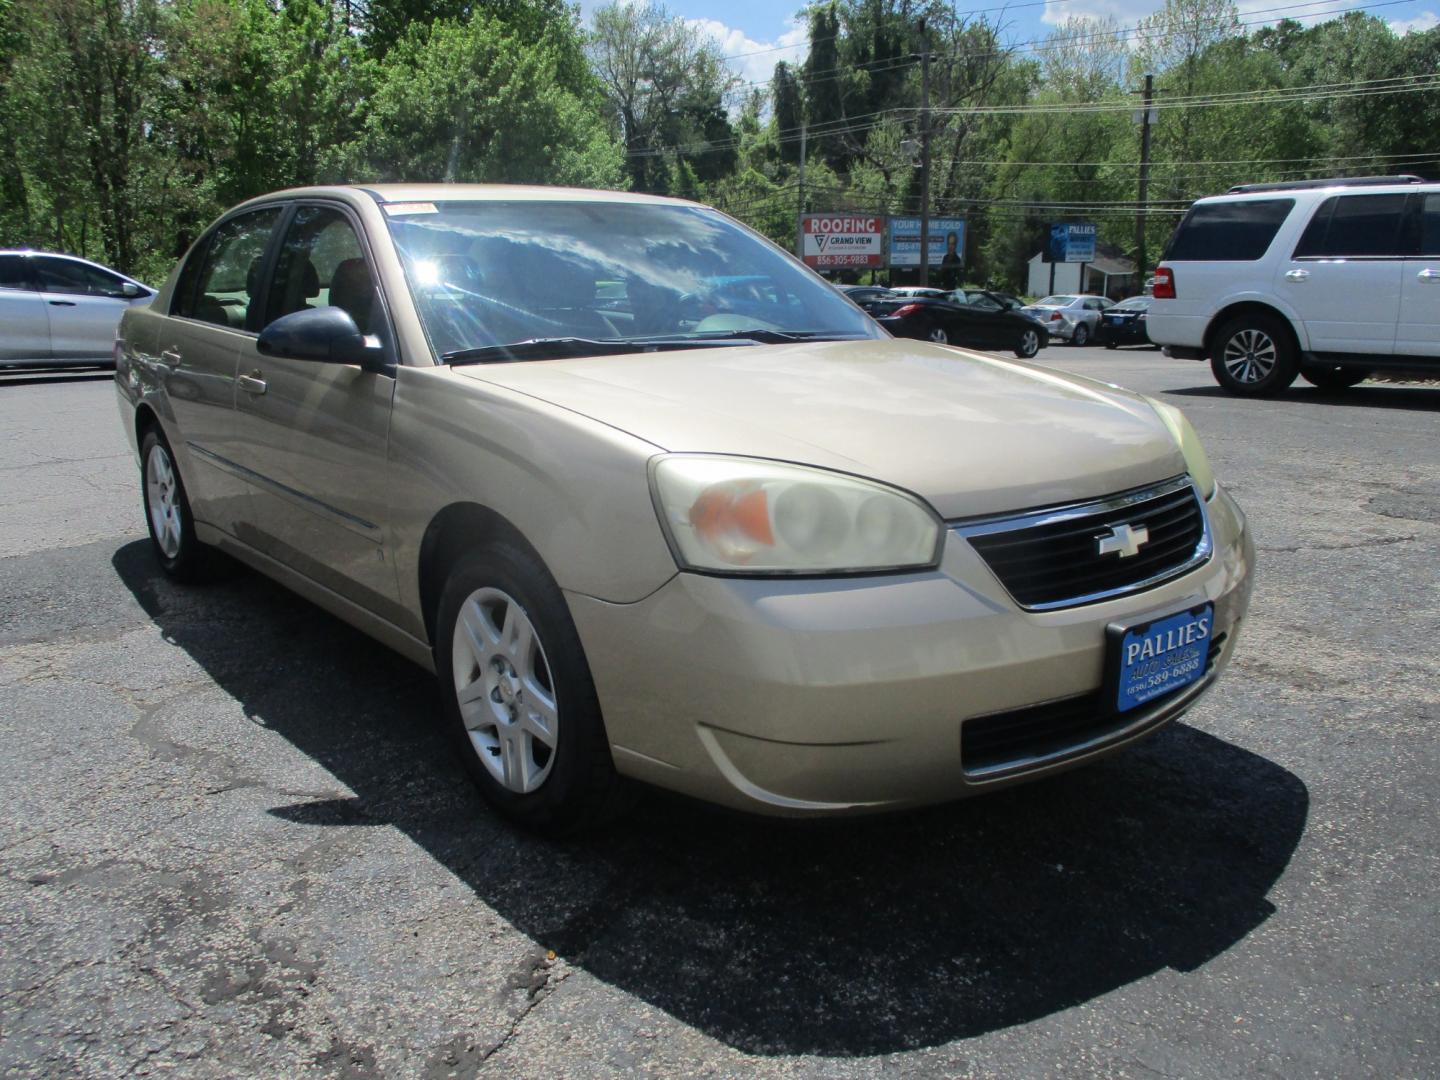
129 290
326 335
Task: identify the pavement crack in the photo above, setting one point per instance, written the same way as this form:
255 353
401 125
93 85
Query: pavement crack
1349 545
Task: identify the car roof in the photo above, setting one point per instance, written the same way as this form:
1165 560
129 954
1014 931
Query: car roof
397 193
1318 192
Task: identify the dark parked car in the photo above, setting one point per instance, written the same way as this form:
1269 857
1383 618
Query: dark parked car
975 320
865 294
1124 324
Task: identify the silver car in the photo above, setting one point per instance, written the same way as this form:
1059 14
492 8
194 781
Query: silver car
1070 318
646 524
61 311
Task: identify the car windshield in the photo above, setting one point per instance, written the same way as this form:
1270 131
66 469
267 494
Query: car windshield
490 274
1056 301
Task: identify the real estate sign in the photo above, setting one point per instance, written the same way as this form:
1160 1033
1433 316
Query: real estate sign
905 241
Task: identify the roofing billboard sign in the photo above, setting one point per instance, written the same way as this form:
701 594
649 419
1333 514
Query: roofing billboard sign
831 240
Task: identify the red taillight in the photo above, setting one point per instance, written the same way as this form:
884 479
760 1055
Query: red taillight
1164 283
1054 316
908 309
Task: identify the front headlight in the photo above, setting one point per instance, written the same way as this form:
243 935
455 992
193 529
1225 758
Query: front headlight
1189 443
736 515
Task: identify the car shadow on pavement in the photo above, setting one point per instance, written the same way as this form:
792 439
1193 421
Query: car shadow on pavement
846 938
1368 395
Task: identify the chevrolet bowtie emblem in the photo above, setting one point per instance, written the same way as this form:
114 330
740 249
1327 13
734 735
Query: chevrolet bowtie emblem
1123 541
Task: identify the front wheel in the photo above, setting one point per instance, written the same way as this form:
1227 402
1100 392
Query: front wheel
1252 356
1335 377
519 701
1029 344
1080 335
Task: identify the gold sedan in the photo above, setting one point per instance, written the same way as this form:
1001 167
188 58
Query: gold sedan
655 503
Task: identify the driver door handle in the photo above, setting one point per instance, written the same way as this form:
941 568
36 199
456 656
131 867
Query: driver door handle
1429 275
1297 275
62 303
171 358
252 383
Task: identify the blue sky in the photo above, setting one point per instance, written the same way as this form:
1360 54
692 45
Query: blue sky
743 28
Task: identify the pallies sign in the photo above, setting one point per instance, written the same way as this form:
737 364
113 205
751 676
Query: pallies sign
829 240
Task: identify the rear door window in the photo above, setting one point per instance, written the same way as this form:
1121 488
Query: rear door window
1430 225
1354 226
229 279
1229 231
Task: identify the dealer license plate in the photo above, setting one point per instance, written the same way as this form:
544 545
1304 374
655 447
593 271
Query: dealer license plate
1161 656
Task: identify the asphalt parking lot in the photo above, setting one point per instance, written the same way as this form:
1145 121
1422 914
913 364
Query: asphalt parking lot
233 842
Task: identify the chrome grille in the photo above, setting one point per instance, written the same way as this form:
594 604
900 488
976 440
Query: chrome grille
1052 558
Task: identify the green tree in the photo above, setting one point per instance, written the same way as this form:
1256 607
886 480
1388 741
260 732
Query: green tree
475 101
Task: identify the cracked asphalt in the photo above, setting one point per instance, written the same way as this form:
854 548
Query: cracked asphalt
232 842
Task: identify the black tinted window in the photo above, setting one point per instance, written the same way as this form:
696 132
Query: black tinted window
13 274
1352 225
1225 232
1430 225
75 279
230 272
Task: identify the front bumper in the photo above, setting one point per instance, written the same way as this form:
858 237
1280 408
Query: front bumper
825 696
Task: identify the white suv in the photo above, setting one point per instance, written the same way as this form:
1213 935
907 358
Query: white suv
1327 279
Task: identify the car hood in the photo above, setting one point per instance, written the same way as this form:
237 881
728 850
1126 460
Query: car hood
972 434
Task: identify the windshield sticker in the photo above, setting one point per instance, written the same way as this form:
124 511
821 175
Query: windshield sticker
399 208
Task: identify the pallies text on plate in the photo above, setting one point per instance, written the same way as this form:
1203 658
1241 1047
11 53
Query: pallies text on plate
1160 644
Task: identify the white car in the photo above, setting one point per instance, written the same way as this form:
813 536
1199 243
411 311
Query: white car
1326 279
59 310
1070 318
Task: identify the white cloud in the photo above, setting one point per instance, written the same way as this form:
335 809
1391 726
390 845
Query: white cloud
754 61
1426 20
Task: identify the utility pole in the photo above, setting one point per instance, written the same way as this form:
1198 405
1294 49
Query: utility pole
800 201
924 155
1141 262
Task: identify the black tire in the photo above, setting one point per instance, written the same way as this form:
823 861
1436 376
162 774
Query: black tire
1243 347
168 517
1028 345
1334 378
1080 335
579 786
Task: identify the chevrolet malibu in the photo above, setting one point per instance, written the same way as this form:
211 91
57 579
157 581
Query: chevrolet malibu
644 523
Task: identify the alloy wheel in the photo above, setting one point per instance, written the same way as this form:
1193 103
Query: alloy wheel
1029 344
1250 356
162 500
505 690
939 335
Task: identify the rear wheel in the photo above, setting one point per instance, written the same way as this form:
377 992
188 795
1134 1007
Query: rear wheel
1028 345
1080 335
1252 356
1334 377
519 701
167 515
939 336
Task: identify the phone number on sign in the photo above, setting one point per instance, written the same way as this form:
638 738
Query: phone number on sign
1165 676
847 260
